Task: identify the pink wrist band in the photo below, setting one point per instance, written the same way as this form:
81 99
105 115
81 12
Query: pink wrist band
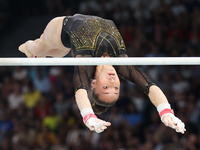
88 116
164 108
165 111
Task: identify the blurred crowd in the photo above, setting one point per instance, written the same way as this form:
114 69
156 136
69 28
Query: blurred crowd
37 105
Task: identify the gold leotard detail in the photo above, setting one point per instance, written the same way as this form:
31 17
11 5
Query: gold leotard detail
85 37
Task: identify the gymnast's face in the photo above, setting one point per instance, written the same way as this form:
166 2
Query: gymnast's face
106 84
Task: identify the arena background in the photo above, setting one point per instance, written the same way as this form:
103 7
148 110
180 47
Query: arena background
37 106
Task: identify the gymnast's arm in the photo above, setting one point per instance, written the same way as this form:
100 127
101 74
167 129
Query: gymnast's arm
81 80
154 93
138 77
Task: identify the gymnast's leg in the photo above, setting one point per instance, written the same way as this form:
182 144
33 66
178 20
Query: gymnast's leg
49 43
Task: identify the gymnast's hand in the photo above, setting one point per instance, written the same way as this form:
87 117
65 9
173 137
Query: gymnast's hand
173 122
92 122
168 118
97 125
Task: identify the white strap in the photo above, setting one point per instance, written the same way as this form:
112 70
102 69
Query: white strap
178 122
86 111
92 123
163 106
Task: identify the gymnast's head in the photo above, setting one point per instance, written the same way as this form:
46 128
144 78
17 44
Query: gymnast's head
104 88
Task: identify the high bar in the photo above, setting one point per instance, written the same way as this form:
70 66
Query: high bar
71 61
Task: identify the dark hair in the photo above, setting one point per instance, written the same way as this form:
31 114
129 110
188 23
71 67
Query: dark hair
98 105
98 109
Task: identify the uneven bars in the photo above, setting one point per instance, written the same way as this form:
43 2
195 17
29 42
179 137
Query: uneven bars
66 61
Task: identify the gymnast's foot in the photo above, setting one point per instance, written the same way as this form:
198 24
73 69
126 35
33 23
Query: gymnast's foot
24 49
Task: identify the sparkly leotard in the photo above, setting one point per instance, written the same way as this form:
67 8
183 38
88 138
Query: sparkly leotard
91 36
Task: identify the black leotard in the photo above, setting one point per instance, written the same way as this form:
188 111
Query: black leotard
91 36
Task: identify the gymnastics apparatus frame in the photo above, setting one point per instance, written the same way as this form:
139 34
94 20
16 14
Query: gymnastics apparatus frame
69 61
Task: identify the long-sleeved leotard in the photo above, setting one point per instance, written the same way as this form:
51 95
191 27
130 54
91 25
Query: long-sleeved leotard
91 36
83 74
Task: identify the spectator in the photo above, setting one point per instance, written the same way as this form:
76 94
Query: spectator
150 28
19 73
6 88
16 97
41 82
42 108
59 146
180 85
54 73
52 121
45 138
31 97
61 104
114 117
6 125
23 135
132 116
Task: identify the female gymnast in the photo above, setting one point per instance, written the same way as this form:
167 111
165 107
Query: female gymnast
92 36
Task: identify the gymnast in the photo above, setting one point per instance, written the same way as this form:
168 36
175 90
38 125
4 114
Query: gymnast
92 36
